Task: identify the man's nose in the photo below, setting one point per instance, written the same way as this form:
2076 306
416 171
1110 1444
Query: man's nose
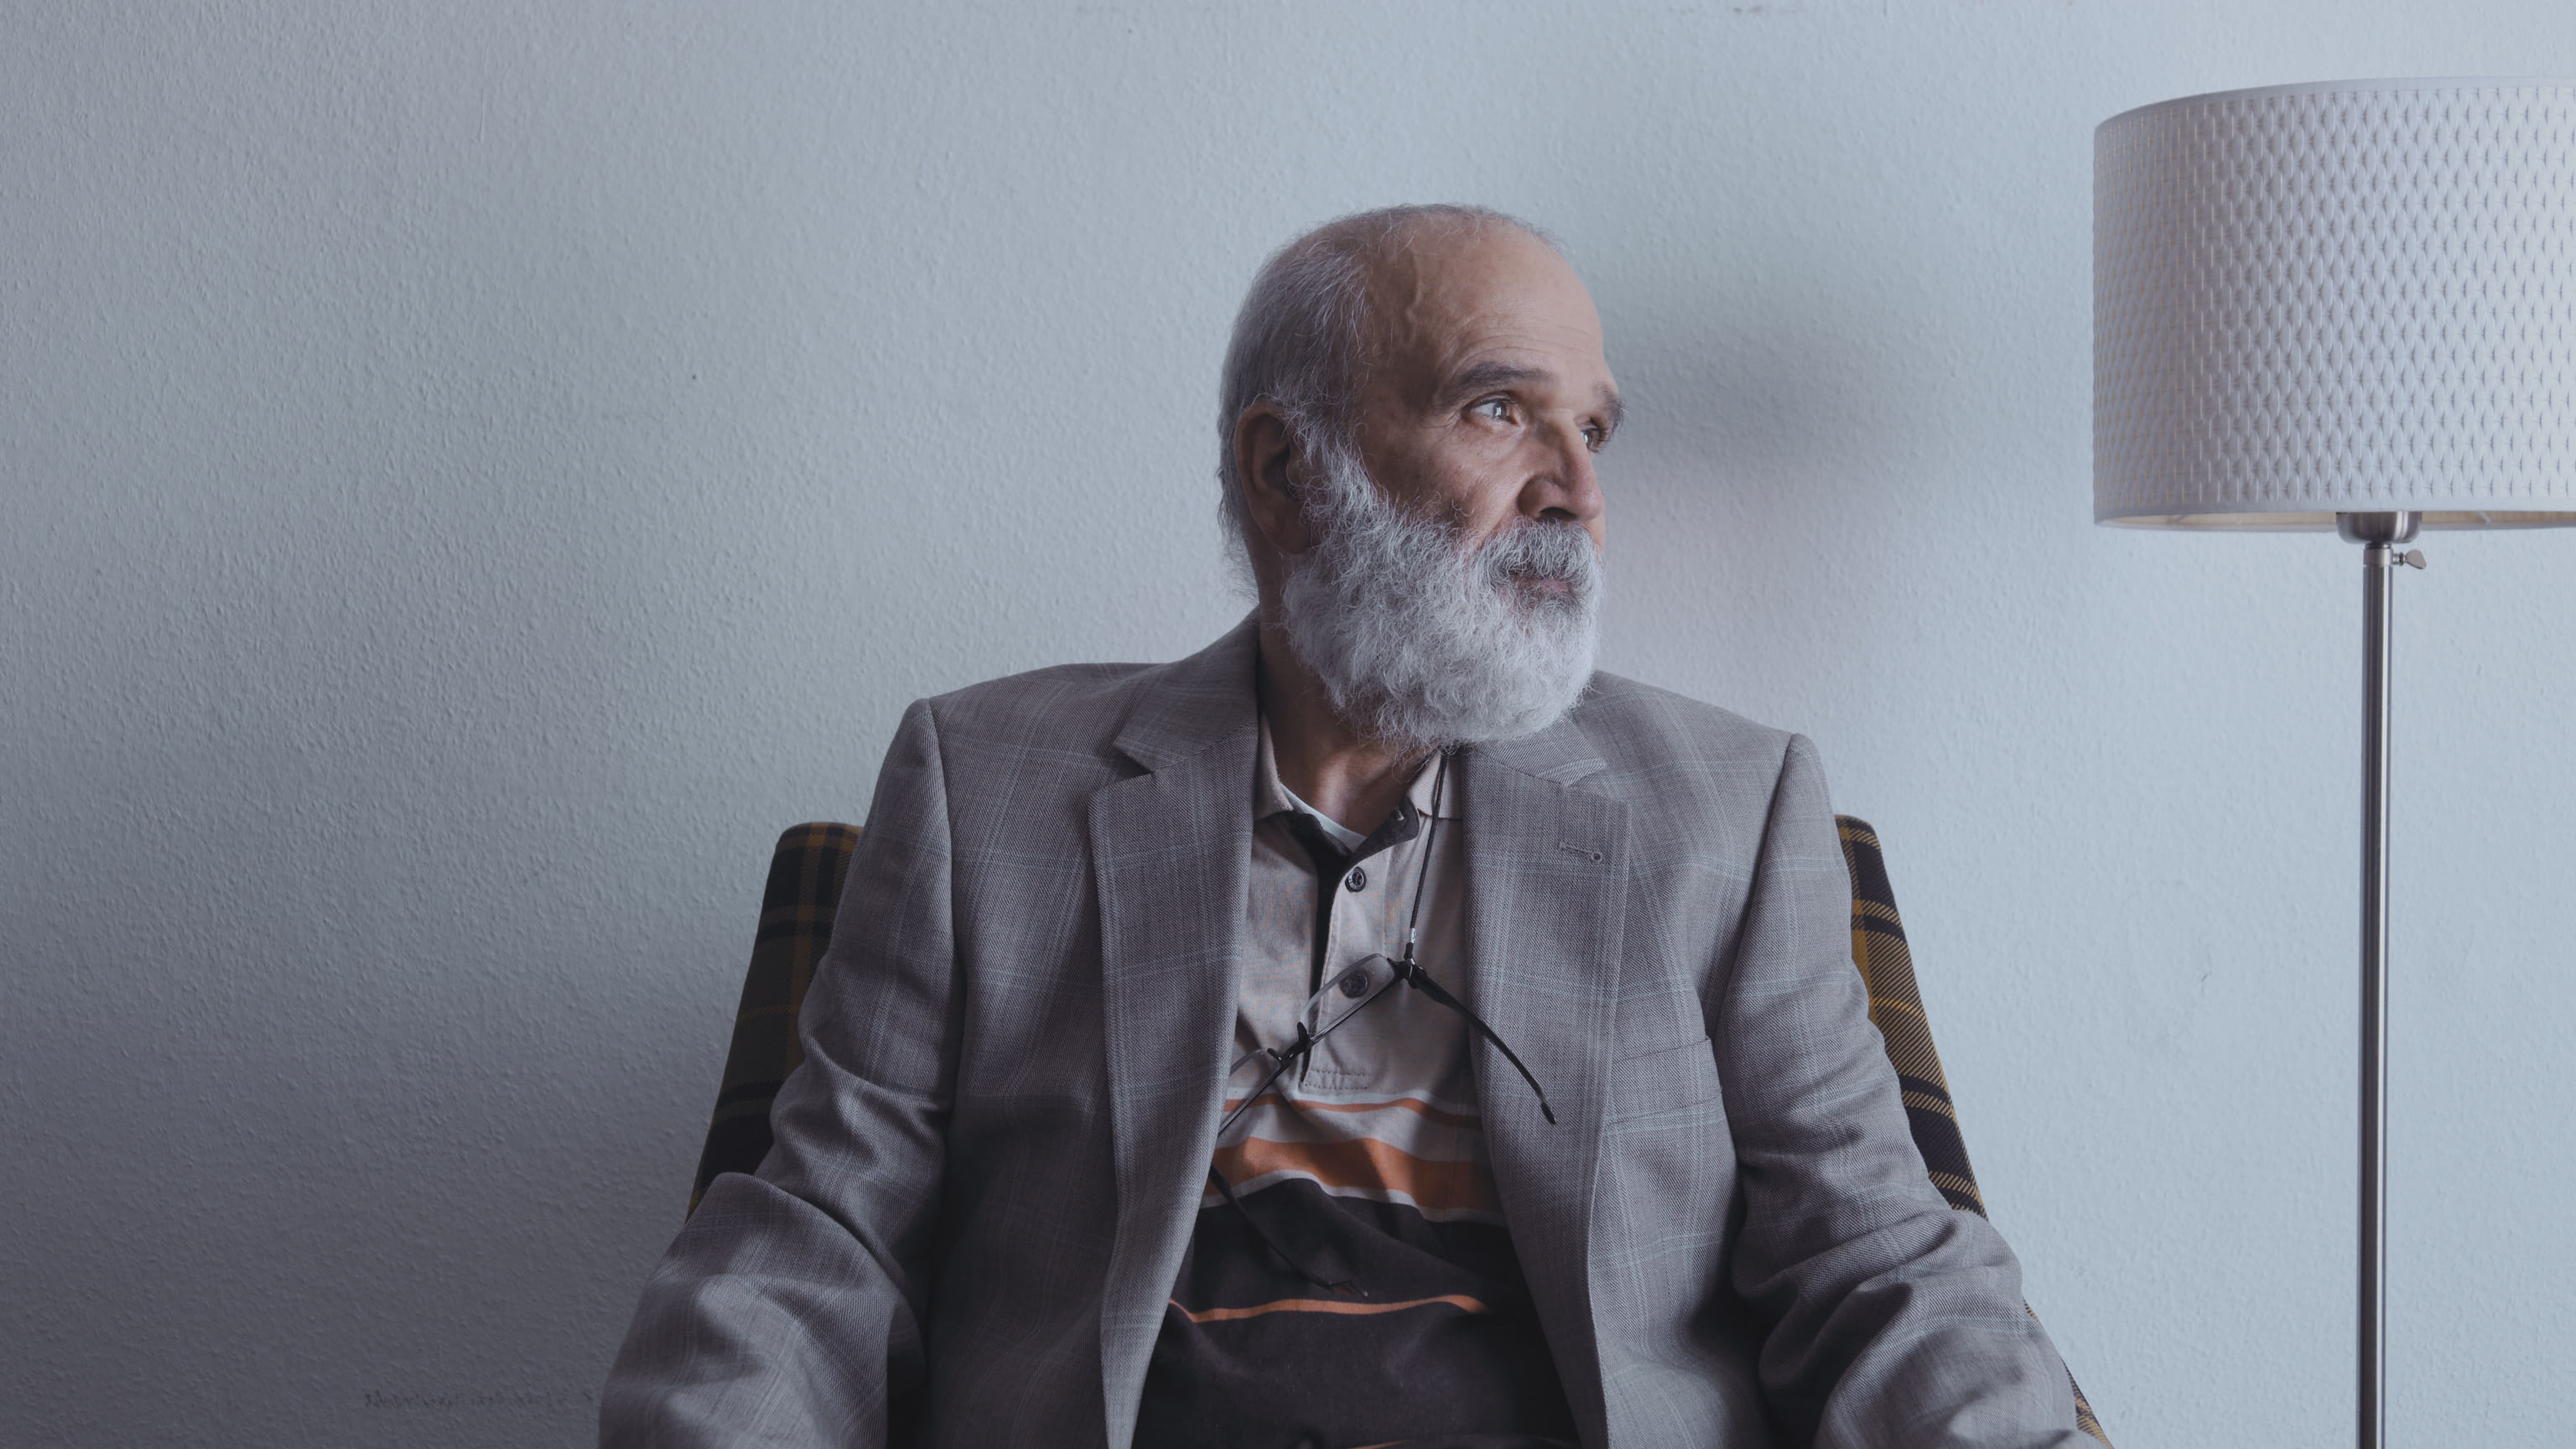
1566 487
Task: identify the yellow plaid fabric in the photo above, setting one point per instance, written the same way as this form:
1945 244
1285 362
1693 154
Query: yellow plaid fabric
805 889
1896 1008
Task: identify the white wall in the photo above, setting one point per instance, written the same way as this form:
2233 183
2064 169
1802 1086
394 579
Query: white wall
471 473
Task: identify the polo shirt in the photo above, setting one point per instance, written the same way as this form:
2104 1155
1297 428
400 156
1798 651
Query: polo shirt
1360 1287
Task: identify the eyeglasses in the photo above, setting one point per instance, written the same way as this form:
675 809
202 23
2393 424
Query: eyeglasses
1356 989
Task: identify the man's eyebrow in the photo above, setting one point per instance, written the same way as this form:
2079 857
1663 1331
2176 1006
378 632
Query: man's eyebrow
1486 376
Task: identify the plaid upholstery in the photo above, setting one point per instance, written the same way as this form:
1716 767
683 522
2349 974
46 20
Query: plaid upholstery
805 889
1896 1008
795 924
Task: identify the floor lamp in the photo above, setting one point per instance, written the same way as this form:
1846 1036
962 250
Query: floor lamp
2347 306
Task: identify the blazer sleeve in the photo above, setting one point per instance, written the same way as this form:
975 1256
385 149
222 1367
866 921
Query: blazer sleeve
1893 1319
789 1309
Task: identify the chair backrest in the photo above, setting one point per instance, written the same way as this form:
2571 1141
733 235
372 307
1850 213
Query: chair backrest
1896 1009
795 925
805 889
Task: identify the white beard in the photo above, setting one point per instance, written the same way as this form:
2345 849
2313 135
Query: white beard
1418 643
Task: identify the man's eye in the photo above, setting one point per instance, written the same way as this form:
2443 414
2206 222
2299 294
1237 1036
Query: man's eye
1596 437
1497 408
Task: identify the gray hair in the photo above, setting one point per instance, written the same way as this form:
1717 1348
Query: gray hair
1300 341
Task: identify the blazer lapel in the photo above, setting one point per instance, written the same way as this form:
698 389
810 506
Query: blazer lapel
1547 875
1171 856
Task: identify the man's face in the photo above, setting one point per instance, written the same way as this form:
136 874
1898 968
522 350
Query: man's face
1449 591
1489 394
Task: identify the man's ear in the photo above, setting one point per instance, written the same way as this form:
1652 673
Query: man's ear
1269 467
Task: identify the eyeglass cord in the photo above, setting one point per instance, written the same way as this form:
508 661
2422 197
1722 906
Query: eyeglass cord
1412 974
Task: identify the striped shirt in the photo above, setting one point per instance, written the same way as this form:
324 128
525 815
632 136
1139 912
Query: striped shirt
1361 1288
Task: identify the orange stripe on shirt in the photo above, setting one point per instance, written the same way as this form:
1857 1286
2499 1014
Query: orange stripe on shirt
1409 1104
1459 1301
1365 1164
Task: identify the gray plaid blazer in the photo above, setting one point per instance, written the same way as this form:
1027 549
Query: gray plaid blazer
986 1170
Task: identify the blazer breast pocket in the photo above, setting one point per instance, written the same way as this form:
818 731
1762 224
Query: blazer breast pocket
1663 1081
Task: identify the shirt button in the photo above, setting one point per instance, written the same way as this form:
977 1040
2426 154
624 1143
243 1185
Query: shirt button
1353 983
1358 878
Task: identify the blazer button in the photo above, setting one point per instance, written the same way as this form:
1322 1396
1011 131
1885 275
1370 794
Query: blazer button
1358 878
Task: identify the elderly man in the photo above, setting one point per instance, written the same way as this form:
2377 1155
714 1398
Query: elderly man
1377 1028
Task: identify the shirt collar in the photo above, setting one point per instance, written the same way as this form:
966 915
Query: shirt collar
1269 797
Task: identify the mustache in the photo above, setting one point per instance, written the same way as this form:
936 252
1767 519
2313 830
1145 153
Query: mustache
1540 551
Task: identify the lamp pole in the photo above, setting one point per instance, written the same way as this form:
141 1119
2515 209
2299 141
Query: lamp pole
2378 533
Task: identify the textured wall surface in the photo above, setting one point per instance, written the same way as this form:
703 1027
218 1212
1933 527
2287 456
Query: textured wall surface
471 473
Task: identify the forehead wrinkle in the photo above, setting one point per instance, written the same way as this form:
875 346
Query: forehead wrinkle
1425 319
1404 305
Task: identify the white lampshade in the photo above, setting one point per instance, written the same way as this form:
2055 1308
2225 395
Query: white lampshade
2354 297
